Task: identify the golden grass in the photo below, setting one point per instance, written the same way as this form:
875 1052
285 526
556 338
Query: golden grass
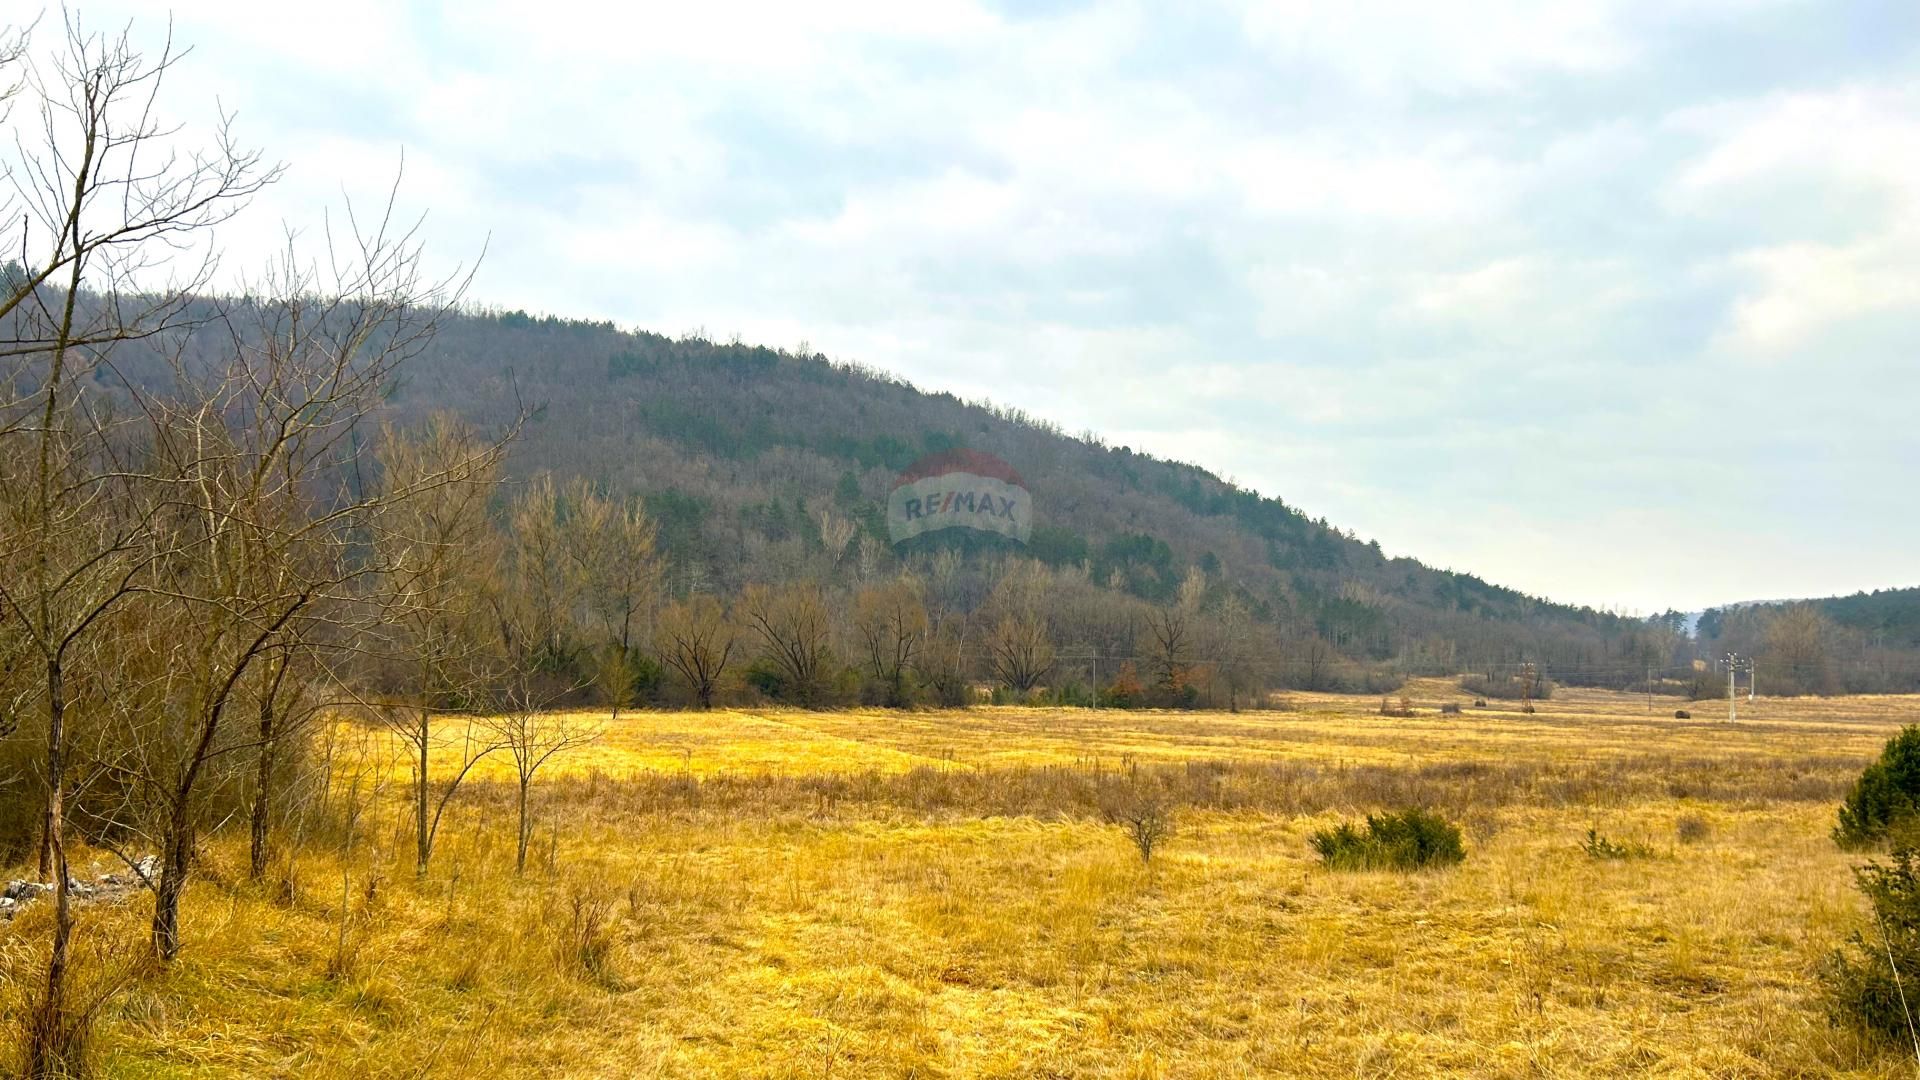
875 894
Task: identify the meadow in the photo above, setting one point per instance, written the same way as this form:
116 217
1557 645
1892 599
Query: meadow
934 893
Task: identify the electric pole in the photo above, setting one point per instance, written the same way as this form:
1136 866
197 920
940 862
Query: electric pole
1733 661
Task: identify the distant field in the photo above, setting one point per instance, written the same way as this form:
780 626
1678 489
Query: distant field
1320 728
931 894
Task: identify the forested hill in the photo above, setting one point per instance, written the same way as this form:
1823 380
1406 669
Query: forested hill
1889 617
761 464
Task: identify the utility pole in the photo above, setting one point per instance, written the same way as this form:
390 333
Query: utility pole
1096 678
1732 661
1649 691
1753 678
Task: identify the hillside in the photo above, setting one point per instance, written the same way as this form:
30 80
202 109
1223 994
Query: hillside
1887 616
739 450
1866 642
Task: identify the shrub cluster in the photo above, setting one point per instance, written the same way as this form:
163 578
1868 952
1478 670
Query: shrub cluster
1872 982
1507 688
1866 981
1886 795
1599 847
1410 839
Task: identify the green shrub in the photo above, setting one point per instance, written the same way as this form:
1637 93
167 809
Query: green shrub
1886 796
1599 847
1408 840
766 677
1872 981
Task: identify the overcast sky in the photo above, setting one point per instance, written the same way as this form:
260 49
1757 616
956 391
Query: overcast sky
1601 302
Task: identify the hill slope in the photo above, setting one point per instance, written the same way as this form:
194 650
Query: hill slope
740 450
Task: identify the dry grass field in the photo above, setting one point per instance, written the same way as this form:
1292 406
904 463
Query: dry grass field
931 894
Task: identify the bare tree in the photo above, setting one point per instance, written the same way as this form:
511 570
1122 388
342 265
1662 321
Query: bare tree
1020 634
1798 642
795 630
1317 658
545 583
1239 646
1172 633
287 703
1020 650
533 734
942 663
1139 804
438 549
611 543
258 452
695 638
891 623
105 211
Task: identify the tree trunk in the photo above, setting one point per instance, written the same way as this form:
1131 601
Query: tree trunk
262 792
520 855
423 835
46 841
624 685
47 1050
263 782
176 857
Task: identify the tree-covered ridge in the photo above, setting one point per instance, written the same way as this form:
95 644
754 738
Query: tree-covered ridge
741 449
1892 616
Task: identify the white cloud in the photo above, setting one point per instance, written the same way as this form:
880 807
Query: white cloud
1382 44
1848 160
1798 290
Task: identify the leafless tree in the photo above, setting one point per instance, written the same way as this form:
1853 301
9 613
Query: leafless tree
532 734
1140 805
1020 650
438 549
544 583
795 630
257 446
1241 647
109 214
1172 630
611 543
1317 659
891 623
288 701
696 638
1020 635
942 663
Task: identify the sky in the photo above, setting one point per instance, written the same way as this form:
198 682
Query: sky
1613 302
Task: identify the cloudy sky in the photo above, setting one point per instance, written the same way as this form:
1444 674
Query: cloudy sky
1608 303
